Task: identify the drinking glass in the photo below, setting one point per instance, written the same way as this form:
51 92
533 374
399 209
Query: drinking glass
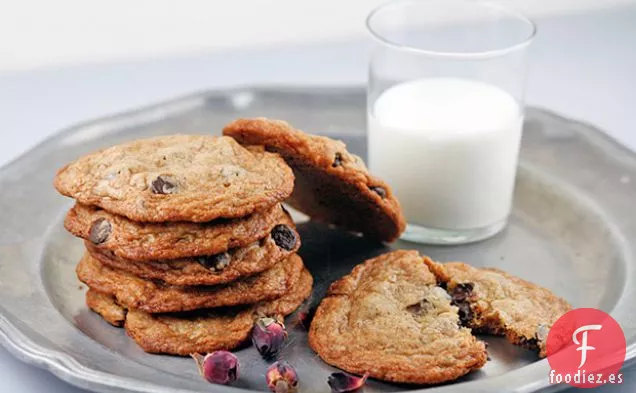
445 113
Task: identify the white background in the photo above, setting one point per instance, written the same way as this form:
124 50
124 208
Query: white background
66 61
35 33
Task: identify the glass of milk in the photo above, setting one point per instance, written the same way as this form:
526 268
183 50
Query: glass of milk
445 112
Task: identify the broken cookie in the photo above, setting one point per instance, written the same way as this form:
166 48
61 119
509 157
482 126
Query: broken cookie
495 302
388 318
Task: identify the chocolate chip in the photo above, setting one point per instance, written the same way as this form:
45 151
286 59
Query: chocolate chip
529 343
462 291
100 231
216 262
460 296
379 190
465 313
284 237
164 185
337 161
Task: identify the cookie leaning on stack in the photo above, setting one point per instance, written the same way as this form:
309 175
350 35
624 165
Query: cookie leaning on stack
186 240
332 185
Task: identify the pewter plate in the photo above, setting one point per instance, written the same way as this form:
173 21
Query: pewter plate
572 230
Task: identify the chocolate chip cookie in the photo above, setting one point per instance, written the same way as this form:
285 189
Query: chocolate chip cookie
388 318
495 302
192 178
156 297
213 269
332 185
159 241
206 330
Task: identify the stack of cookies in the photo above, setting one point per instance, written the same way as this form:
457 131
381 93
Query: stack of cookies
187 242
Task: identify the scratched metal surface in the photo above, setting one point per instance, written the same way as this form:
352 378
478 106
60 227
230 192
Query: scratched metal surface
572 230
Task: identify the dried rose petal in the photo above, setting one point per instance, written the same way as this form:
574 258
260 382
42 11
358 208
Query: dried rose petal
220 367
341 382
281 378
304 317
268 336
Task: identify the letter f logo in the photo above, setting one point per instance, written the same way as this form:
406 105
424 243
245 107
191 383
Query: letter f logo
583 344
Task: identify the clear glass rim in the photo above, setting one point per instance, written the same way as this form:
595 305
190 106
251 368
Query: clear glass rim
458 55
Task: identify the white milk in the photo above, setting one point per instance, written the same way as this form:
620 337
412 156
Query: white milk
448 147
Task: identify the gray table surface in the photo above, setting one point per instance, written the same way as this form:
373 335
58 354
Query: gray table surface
582 66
